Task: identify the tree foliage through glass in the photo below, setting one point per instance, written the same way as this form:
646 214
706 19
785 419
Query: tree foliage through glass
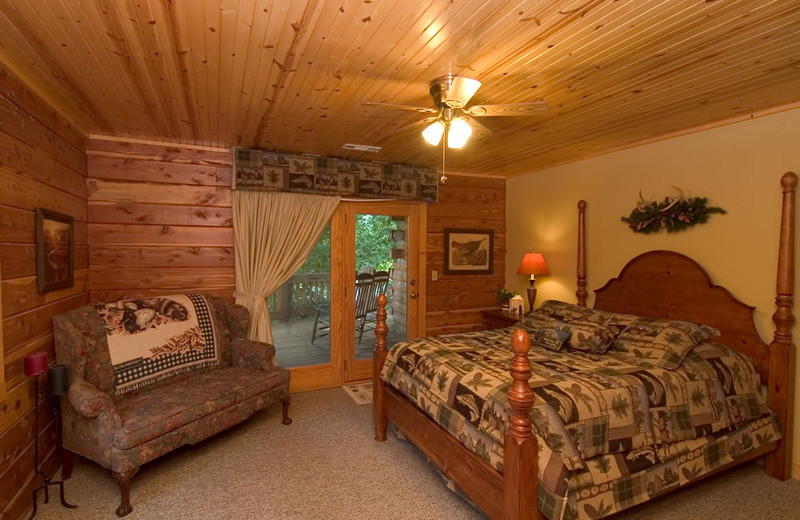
374 244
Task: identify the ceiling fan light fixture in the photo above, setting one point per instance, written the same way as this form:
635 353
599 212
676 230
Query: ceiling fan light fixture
433 133
458 133
461 91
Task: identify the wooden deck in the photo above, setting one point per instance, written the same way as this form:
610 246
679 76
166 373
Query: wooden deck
293 346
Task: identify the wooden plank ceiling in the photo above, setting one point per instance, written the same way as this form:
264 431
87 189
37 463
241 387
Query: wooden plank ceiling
290 74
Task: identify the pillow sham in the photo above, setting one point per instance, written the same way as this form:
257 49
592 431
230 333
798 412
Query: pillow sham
579 334
546 332
568 312
589 336
564 311
664 342
615 321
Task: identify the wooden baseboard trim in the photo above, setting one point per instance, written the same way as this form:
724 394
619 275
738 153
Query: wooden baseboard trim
796 471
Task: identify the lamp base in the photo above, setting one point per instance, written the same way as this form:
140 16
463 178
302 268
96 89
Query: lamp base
531 295
46 482
46 486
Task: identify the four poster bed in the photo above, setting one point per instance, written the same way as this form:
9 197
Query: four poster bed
537 445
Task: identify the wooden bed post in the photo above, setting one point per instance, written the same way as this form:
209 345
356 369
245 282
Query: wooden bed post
378 358
581 292
520 453
780 398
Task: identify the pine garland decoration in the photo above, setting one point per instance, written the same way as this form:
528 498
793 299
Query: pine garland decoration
671 215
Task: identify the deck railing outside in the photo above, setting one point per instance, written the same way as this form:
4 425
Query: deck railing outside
298 296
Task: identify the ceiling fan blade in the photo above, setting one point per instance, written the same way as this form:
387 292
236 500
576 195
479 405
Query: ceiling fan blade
422 110
461 91
414 125
509 109
480 131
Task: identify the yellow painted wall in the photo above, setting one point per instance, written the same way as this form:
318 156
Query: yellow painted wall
737 167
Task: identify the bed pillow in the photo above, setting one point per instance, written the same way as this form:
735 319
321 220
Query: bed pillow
564 311
589 336
546 332
568 312
615 321
664 342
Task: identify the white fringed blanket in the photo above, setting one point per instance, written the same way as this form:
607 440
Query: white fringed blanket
155 338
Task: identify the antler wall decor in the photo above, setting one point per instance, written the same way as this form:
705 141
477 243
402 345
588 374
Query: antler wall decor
673 213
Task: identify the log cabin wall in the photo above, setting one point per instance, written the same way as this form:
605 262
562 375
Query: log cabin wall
160 220
42 164
454 302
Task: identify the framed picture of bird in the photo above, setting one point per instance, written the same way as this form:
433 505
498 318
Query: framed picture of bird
468 251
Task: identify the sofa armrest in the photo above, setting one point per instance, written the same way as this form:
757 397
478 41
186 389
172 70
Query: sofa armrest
252 354
238 320
88 401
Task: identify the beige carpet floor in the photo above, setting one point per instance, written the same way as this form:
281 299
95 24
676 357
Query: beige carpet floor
326 466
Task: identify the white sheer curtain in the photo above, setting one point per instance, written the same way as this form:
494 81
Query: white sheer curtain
274 232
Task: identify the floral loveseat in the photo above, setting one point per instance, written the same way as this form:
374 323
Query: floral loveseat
123 432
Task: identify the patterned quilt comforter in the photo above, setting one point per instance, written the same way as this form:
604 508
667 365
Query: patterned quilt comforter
586 405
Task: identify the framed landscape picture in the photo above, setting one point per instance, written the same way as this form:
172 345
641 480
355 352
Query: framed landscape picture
55 255
468 251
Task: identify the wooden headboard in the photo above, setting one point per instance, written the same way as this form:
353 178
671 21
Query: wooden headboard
665 284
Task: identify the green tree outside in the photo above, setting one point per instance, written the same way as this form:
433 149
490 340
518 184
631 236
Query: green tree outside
373 246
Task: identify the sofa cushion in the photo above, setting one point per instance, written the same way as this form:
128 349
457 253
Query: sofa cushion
157 411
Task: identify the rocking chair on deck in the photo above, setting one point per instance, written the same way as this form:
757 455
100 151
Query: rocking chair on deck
367 289
369 320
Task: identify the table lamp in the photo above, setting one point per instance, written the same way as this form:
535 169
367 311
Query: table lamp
36 365
532 263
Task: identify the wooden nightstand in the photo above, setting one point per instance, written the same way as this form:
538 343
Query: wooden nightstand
499 319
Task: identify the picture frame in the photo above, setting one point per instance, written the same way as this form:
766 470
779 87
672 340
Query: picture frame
468 251
55 251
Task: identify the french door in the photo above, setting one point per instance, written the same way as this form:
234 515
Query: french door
323 318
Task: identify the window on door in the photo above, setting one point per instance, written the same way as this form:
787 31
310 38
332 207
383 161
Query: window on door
324 316
300 311
381 265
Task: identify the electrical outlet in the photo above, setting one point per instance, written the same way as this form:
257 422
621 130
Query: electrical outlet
434 275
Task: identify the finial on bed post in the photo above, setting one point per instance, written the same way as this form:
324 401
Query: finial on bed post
520 453
378 359
780 397
581 292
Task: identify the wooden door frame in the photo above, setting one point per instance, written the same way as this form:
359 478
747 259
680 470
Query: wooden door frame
416 212
342 367
328 375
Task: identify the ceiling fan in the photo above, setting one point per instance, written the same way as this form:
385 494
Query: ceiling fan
451 118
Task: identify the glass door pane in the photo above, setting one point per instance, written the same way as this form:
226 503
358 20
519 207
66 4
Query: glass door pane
301 311
381 268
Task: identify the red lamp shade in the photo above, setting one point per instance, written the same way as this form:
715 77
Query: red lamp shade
533 263
35 364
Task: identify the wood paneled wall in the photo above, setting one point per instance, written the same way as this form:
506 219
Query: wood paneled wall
454 302
42 164
160 220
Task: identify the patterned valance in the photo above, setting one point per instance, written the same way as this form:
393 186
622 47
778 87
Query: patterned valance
286 171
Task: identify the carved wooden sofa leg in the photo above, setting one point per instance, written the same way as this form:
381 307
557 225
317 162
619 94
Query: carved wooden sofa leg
124 481
286 402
